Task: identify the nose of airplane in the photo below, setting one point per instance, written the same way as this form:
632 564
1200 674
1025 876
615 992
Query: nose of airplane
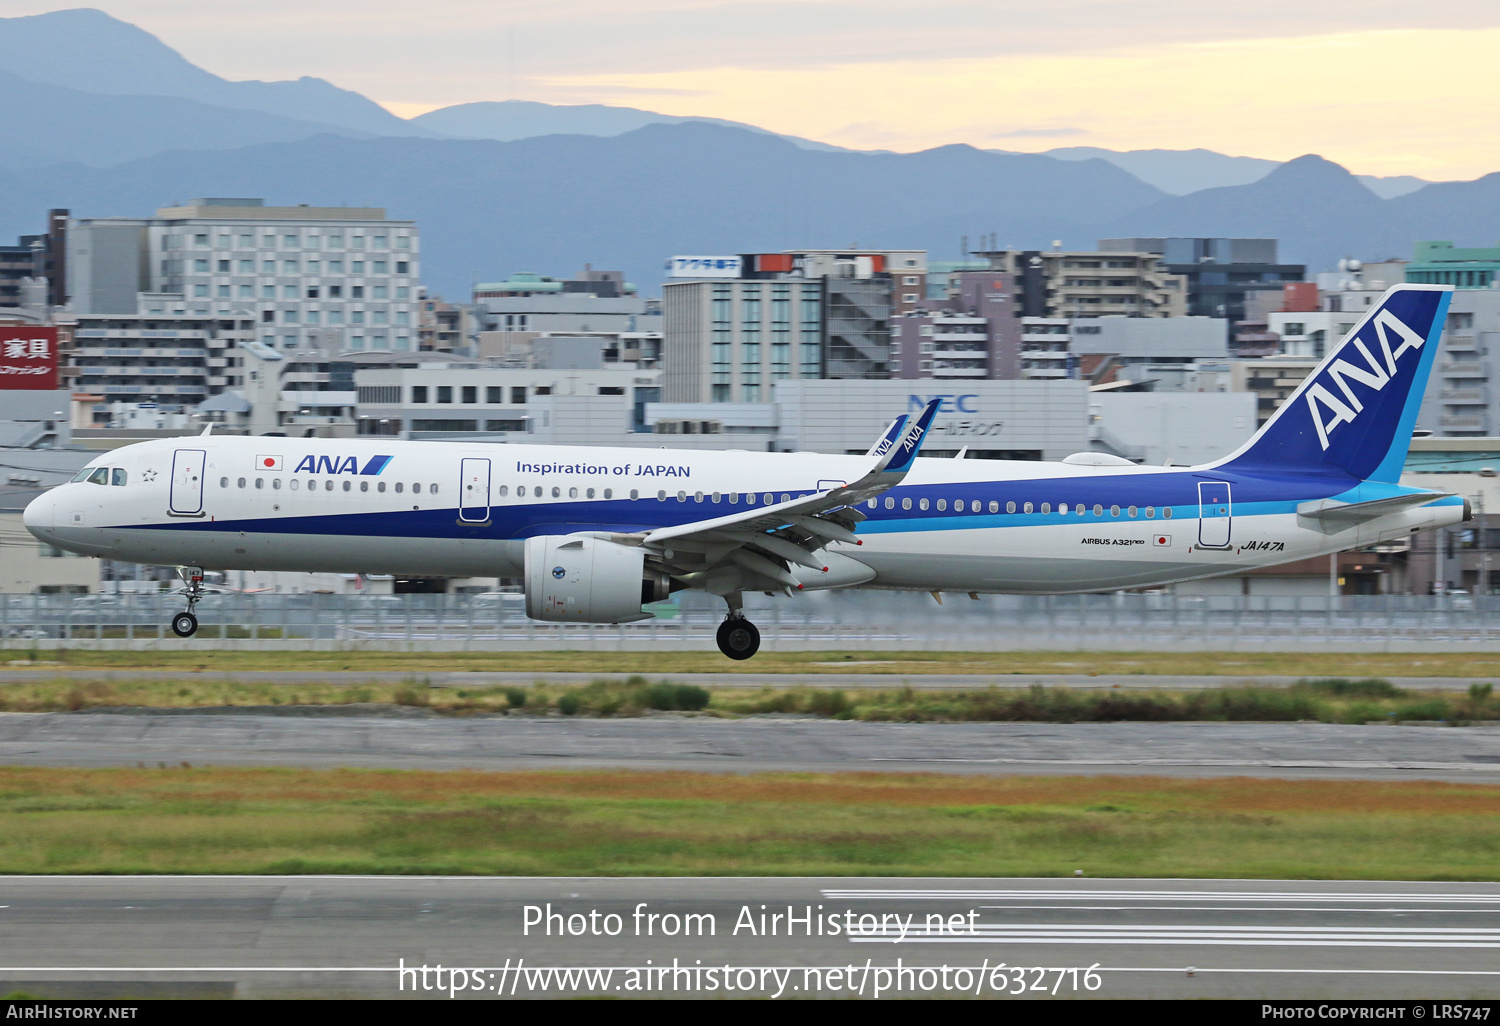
40 515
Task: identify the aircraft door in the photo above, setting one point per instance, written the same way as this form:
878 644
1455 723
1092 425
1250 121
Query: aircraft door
474 491
1214 514
188 468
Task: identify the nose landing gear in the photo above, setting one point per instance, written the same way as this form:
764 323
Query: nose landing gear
185 624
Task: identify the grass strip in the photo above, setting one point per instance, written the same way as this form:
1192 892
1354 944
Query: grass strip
212 820
1327 700
1233 664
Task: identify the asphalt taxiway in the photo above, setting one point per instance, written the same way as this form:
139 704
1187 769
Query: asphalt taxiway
396 737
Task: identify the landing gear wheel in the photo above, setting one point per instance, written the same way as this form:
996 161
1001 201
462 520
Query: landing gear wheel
738 638
184 625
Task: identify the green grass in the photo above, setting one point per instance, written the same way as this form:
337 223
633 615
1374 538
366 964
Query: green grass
1328 700
193 820
656 663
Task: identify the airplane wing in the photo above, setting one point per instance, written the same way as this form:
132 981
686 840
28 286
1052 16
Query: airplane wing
765 541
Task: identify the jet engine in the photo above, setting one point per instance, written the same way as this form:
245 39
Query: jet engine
573 578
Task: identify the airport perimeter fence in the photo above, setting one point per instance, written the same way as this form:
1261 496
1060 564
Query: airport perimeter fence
851 621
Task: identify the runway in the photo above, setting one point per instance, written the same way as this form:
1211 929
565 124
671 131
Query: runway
874 678
329 936
415 739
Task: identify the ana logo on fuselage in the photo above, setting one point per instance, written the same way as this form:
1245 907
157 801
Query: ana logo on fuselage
342 465
1376 374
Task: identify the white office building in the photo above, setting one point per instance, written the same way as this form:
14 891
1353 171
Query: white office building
335 277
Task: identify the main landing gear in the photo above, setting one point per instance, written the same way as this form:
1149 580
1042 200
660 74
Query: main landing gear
185 624
737 637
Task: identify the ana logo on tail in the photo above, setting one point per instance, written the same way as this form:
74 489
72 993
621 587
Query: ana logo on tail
1376 374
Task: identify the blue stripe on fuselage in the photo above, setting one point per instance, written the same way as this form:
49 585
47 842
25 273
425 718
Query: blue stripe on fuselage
1252 495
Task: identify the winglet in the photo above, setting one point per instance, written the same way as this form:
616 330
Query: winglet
886 444
907 451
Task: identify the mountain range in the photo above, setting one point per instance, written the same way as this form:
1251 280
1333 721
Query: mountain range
106 120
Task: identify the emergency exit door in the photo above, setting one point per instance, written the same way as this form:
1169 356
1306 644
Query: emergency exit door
1214 517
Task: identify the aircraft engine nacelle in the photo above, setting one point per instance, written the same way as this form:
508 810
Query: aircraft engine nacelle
578 579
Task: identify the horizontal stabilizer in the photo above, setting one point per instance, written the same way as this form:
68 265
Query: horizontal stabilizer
1355 512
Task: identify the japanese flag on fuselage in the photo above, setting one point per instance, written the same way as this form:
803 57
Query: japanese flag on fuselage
268 463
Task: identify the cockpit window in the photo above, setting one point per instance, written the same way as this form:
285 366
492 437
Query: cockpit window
83 475
117 477
99 476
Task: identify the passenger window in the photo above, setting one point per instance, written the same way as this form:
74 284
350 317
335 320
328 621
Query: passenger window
890 503
609 493
717 497
1026 508
1046 507
874 503
117 477
399 486
432 489
1150 512
1131 511
906 504
661 496
682 496
504 490
635 493
697 496
1098 510
364 486
573 493
276 484
1114 511
958 505
994 506
922 504
556 492
328 485
734 500
240 483
380 486
589 494
223 482
416 488
1166 512
260 482
293 486
750 499
1010 507
784 498
942 504
348 485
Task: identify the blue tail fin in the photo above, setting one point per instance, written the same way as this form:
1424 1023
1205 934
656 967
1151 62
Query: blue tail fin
1354 415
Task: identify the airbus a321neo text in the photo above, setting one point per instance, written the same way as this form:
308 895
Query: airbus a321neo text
597 533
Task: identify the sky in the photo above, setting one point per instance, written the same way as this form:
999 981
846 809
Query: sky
1383 87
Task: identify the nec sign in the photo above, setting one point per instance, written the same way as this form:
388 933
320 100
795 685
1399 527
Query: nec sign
342 465
947 404
1329 410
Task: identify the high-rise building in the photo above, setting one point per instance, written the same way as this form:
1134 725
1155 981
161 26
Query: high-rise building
335 277
1220 273
1129 283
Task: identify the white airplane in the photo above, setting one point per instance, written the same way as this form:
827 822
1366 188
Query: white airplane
596 532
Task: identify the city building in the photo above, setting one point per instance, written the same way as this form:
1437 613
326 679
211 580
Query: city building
1220 274
1442 263
159 354
39 260
729 340
1054 283
441 398
1154 353
336 277
1463 393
